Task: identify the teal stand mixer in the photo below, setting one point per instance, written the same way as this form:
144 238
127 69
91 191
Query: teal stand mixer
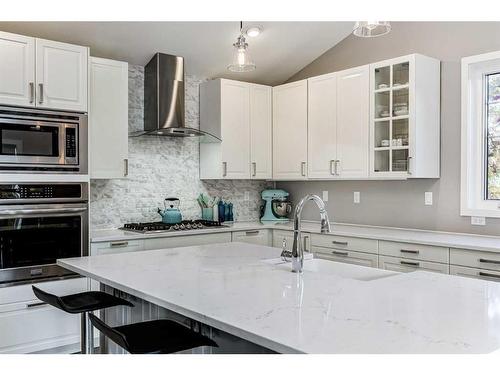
277 207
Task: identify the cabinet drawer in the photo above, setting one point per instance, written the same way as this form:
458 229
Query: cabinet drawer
408 265
476 273
414 251
287 236
112 247
188 240
475 259
256 236
344 256
345 243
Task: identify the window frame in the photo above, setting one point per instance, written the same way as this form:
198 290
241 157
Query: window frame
473 200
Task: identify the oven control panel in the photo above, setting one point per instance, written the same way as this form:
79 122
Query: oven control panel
10 192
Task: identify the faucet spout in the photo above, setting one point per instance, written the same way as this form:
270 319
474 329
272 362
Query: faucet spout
297 247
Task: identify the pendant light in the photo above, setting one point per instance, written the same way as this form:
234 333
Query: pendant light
242 61
369 29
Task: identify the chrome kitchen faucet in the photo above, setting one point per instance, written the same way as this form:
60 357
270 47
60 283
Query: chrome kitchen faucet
297 249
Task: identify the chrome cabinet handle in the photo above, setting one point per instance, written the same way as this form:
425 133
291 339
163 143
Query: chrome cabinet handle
413 264
224 169
406 251
35 304
490 261
32 92
303 168
343 243
487 274
337 162
118 244
40 87
254 167
408 164
332 167
125 167
306 244
251 232
341 253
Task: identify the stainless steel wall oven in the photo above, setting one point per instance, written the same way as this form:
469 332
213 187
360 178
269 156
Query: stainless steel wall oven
40 223
41 141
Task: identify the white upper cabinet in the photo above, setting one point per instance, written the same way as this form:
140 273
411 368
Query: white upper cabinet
290 131
108 118
322 127
61 75
353 103
242 112
261 144
17 70
42 73
405 118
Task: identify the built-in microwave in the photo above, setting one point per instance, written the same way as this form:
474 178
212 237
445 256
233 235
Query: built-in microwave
42 141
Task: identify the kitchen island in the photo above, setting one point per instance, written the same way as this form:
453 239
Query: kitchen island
330 308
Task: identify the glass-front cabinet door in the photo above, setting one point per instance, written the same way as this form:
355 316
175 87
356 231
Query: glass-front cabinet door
391 113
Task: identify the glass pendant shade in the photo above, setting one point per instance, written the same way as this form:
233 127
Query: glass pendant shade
242 61
368 29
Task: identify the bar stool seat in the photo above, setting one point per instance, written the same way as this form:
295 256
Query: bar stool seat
82 303
156 336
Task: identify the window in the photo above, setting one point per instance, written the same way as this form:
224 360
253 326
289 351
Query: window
480 156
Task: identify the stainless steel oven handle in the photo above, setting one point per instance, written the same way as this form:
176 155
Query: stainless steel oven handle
42 211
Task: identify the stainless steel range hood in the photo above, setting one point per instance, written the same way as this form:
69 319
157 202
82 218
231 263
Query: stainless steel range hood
164 112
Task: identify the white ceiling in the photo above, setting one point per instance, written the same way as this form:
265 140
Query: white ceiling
279 52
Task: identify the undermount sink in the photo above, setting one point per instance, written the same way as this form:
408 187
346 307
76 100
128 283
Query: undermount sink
344 270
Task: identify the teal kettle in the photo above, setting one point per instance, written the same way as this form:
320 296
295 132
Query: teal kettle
171 214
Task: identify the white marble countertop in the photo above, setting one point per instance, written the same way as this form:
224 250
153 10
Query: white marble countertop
446 239
330 308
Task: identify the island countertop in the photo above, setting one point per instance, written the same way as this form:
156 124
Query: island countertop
329 308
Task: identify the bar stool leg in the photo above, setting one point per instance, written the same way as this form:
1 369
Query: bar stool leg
83 333
90 336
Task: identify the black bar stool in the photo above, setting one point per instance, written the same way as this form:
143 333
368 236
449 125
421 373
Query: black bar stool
155 336
82 303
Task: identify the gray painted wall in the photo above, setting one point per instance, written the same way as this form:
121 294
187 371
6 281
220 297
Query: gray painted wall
401 203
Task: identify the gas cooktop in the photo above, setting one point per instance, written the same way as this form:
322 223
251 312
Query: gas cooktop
158 226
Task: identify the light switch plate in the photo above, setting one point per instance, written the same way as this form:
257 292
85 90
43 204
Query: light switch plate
247 196
357 197
478 220
325 195
428 198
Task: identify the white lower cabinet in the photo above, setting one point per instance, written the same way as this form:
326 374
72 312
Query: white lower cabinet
410 265
256 236
344 256
28 325
476 273
112 247
191 240
284 238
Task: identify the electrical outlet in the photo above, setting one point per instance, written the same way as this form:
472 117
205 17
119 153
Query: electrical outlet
357 197
247 196
478 220
325 195
428 198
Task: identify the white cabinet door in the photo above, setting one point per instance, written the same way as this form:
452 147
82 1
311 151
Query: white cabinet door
17 70
290 131
261 131
352 257
409 265
108 118
353 129
322 126
187 240
257 237
61 75
235 120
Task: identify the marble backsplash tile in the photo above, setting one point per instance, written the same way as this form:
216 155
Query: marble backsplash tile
160 167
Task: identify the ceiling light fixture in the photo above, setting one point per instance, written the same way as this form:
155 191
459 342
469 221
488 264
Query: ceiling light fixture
242 61
369 29
253 31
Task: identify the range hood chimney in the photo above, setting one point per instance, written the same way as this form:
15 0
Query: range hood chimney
164 112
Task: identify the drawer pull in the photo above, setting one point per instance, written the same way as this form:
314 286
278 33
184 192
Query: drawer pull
413 264
490 261
341 253
251 232
406 251
118 244
343 243
486 274
35 304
